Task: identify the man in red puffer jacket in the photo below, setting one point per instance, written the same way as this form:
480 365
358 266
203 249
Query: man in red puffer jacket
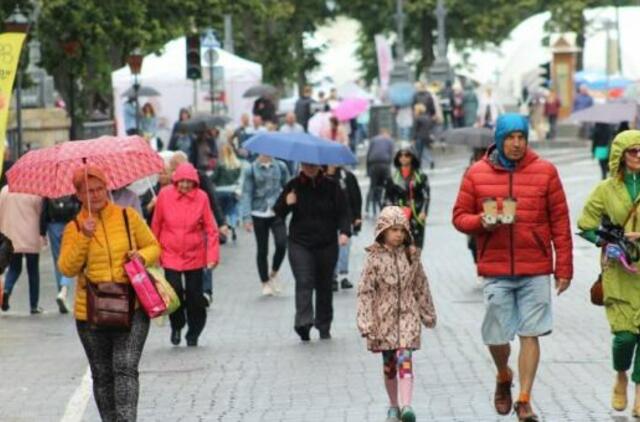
516 250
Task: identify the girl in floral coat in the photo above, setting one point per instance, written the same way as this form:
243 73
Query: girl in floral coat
393 301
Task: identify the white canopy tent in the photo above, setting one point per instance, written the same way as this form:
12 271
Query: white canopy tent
167 74
523 51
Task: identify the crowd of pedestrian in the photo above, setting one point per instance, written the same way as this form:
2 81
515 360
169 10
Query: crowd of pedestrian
511 204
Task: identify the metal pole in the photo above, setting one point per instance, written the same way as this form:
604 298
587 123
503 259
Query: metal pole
213 104
136 88
19 110
195 95
72 107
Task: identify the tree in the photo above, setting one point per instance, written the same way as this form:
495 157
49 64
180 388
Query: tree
468 25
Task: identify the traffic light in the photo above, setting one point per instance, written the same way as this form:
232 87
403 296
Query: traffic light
545 73
194 65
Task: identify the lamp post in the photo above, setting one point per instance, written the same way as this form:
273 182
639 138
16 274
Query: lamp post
441 69
135 65
70 49
18 22
210 42
401 71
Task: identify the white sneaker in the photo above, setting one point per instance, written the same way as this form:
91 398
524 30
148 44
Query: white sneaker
276 286
267 290
480 281
61 300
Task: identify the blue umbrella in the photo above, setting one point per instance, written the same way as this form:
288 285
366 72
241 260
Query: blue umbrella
600 81
401 94
300 147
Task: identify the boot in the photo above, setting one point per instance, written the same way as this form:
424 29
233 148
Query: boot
5 302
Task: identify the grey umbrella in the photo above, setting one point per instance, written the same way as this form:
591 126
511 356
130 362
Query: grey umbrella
203 121
144 91
475 137
262 90
612 113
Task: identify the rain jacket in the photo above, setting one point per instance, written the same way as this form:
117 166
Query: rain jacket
20 220
393 294
102 257
542 227
612 198
184 225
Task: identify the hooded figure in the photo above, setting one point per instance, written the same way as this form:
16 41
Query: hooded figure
408 187
183 223
394 299
617 199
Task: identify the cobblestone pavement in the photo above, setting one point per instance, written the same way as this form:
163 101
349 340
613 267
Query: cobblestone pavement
251 366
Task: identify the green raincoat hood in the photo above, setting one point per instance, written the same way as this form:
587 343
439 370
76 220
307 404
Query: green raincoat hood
621 142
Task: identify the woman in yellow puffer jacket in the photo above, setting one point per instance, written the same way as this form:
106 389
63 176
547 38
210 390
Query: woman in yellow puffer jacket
96 245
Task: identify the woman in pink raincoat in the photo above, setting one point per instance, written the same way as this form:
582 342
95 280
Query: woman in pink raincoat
183 223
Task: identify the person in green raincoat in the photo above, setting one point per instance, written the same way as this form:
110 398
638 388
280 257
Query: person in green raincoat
408 188
618 197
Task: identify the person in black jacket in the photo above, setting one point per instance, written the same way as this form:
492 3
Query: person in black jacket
56 213
303 108
422 134
408 187
349 185
601 138
207 186
319 211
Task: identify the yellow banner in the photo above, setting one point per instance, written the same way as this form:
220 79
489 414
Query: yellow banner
10 47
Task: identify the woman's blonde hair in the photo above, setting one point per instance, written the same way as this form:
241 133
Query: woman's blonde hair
229 158
419 109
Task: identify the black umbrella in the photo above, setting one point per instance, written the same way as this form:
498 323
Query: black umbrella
143 91
203 121
475 137
612 113
262 90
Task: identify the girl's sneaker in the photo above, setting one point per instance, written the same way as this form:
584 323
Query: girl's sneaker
393 414
407 414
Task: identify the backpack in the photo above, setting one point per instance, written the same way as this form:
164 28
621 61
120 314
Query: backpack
63 209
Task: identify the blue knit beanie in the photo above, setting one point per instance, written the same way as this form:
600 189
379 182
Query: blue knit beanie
506 125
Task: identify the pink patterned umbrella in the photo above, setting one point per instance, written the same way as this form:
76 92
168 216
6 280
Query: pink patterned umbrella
49 171
350 108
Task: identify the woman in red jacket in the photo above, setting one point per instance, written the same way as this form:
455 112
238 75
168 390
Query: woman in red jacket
183 223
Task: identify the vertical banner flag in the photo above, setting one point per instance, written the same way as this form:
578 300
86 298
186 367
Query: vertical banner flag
385 62
10 47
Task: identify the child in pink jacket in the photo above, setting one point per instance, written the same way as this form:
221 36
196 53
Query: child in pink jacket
184 225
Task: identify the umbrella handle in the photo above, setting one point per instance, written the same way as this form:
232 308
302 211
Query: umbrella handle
86 185
153 192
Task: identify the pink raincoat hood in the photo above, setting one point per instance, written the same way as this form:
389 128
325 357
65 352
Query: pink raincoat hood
186 171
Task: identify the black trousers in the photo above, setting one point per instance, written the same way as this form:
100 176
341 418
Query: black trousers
378 174
192 303
261 227
313 271
114 357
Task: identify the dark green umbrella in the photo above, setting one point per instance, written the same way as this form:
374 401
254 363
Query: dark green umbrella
262 90
143 91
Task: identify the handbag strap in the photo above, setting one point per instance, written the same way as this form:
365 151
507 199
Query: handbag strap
632 212
126 224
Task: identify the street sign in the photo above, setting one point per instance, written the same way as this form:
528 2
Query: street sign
211 56
209 39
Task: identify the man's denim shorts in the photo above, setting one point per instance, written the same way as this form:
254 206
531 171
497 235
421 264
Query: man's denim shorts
520 305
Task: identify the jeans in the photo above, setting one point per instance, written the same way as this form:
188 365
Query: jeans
55 230
15 268
424 151
114 357
261 228
313 271
192 303
342 266
207 281
229 203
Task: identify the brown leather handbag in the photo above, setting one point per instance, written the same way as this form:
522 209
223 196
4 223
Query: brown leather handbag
110 305
596 292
